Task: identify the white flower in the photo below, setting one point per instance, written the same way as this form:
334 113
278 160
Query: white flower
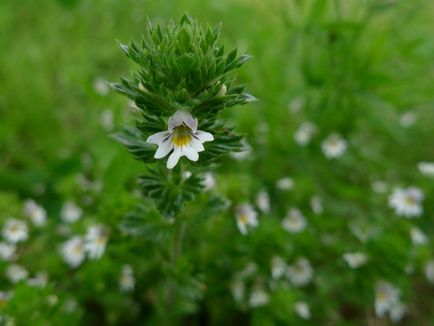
263 201
244 154
6 250
294 222
36 213
70 305
209 181
355 259
107 120
407 202
379 186
16 273
304 133
70 212
285 184
182 139
238 290
302 309
73 251
429 271
296 104
426 168
100 86
334 146
417 236
386 296
39 280
95 241
407 119
15 231
316 205
127 280
278 267
397 311
246 216
300 273
258 298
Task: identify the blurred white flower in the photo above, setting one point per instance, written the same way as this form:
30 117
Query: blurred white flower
379 187
285 183
73 252
127 281
70 212
407 202
296 104
95 241
355 259
417 236
397 311
16 273
407 119
36 213
39 280
334 146
429 271
263 201
7 251
258 297
316 205
304 133
302 310
238 290
244 154
70 305
294 221
248 271
52 299
426 168
278 267
15 231
209 181
300 273
386 297
107 120
100 86
246 216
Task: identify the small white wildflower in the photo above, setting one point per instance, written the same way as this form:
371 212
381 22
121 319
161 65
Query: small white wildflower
379 187
101 87
209 181
316 205
246 216
407 119
36 213
52 299
429 271
73 252
334 146
296 104
278 267
244 154
386 296
304 133
294 221
107 120
16 273
302 309
263 201
95 241
397 312
70 212
285 183
355 259
70 306
238 290
258 297
426 168
407 202
126 280
7 251
15 231
248 271
182 139
300 273
417 236
39 280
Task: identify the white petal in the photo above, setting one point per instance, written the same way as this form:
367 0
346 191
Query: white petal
196 144
181 117
174 158
190 152
204 136
163 149
157 138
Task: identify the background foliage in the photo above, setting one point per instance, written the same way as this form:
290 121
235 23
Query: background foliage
362 69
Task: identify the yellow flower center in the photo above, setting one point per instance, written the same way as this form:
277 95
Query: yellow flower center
243 219
409 200
181 136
